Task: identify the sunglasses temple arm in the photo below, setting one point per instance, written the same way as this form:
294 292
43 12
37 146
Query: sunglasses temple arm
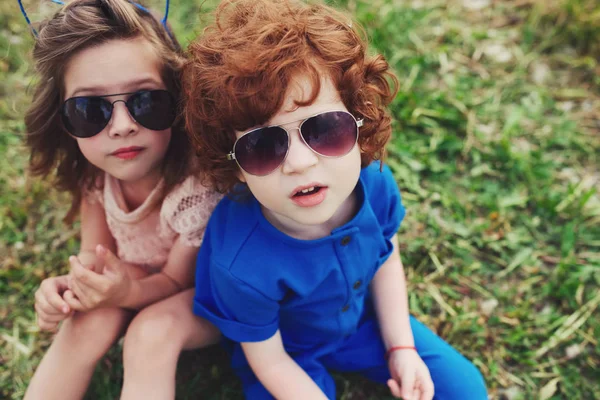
27 18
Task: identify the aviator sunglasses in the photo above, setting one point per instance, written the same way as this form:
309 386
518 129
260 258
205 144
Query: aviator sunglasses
86 116
328 134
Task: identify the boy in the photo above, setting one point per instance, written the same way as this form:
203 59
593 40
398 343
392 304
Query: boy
305 274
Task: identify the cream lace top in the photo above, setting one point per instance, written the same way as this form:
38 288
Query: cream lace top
145 235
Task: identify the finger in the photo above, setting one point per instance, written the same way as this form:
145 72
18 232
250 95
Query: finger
49 317
42 305
46 325
111 261
57 303
394 388
407 383
85 277
73 302
427 388
80 293
416 393
87 298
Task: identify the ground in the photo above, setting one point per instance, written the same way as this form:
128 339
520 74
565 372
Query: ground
496 150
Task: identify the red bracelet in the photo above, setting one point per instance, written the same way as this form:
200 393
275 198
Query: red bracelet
392 349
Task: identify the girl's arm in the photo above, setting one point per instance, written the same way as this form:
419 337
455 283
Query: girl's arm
278 372
94 231
391 301
53 300
125 285
176 275
115 287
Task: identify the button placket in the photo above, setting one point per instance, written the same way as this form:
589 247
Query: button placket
346 253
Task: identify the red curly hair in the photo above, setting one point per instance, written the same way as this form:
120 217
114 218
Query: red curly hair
238 72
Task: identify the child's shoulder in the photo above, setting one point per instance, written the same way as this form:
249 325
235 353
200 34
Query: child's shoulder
186 209
231 225
382 192
378 178
240 237
190 194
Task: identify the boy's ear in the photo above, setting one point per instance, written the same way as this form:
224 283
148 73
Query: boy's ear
240 176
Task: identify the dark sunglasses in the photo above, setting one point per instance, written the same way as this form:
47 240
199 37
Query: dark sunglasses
86 116
329 134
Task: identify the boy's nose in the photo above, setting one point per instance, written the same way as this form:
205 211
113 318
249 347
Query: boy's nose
300 157
121 122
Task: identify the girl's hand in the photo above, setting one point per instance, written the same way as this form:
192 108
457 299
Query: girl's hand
92 289
50 306
410 376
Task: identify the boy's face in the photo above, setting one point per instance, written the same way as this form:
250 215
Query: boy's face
331 203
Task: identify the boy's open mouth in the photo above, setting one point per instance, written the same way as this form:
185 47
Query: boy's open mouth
308 191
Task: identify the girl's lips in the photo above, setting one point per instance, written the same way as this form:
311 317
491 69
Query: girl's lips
311 199
127 153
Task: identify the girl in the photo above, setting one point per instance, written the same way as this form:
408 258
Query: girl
306 275
104 119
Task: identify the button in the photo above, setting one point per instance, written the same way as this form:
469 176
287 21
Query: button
345 240
357 284
345 308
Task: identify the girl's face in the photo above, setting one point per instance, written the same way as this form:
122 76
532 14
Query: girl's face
124 148
328 183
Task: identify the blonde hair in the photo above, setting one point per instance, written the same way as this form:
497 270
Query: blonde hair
79 25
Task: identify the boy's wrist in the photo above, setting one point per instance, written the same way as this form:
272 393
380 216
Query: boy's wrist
395 349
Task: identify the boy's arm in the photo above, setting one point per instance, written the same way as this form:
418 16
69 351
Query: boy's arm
278 372
409 373
391 301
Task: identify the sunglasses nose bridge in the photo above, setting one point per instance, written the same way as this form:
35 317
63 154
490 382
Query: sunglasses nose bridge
118 127
300 156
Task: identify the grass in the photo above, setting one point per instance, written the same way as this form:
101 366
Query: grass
496 149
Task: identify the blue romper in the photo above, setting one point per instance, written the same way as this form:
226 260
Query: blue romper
252 279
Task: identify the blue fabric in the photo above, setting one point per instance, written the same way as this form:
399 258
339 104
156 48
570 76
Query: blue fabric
252 279
454 377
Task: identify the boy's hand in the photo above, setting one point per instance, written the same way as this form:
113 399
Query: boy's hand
50 306
410 377
92 289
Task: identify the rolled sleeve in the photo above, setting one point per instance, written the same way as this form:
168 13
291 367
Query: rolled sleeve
240 311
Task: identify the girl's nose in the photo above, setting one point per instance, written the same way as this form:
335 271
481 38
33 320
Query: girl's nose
121 122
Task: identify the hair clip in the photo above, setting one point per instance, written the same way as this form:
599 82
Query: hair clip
27 18
104 9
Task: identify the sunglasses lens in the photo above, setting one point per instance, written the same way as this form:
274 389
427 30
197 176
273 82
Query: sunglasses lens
261 151
332 134
85 117
153 109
